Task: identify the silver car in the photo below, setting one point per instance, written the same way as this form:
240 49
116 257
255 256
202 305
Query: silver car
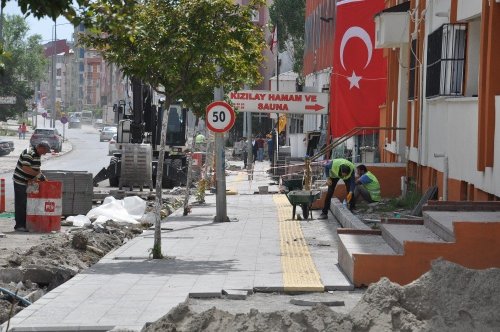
107 133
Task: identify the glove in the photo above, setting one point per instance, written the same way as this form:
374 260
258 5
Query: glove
349 196
40 177
329 182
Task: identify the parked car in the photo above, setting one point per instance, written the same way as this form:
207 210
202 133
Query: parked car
113 145
51 135
107 133
6 147
98 124
74 122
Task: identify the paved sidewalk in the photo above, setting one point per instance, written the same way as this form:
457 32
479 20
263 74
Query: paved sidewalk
260 249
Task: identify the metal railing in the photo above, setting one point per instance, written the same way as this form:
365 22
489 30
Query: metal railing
331 146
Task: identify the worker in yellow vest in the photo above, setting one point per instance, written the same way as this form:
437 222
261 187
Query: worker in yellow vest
367 187
338 169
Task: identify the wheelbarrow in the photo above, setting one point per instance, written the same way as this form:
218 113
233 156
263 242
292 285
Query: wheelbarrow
292 182
304 198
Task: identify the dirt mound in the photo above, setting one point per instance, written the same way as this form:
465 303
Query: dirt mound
319 318
447 298
60 257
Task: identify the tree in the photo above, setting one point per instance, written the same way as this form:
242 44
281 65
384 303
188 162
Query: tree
50 8
183 49
24 65
288 16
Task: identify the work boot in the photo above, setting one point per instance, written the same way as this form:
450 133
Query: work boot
323 216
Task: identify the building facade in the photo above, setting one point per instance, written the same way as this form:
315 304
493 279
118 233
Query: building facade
444 87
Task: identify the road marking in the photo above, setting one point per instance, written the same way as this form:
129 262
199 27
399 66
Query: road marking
299 270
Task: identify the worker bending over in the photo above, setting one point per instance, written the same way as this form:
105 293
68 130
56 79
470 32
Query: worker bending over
338 169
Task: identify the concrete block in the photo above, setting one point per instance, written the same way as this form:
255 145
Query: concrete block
235 294
396 235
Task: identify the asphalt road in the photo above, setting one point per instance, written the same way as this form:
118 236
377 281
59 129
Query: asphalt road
87 154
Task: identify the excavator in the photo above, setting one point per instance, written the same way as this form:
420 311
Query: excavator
138 139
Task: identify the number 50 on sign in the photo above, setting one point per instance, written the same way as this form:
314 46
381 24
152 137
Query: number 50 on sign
220 117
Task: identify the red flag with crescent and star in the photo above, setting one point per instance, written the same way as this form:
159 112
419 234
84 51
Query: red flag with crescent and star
359 73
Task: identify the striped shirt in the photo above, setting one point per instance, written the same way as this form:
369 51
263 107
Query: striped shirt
29 157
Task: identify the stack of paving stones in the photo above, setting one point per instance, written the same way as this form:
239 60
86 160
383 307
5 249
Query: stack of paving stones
136 166
77 191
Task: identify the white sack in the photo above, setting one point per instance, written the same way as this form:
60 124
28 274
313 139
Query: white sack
128 210
79 220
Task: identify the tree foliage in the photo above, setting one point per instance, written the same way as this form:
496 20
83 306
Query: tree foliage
50 8
289 17
24 65
178 46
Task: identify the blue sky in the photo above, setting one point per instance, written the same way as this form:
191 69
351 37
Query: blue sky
45 26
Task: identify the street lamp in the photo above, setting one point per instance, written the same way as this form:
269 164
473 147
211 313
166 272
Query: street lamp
54 80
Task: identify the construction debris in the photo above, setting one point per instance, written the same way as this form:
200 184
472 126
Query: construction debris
447 298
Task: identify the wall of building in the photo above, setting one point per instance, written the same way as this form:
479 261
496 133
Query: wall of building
319 33
467 9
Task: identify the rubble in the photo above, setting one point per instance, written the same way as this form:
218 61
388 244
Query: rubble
447 298
43 267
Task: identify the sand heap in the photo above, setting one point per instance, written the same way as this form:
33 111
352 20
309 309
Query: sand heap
447 298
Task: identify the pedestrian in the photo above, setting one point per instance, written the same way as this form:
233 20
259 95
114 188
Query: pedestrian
27 170
260 148
20 131
367 187
244 151
254 150
270 149
338 169
23 130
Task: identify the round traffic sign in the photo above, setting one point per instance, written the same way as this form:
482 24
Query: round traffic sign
44 114
64 120
220 116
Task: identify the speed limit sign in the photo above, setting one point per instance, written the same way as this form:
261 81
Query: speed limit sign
220 116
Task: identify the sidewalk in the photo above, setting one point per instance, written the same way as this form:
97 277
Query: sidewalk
261 249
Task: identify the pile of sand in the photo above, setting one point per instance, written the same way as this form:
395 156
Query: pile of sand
447 298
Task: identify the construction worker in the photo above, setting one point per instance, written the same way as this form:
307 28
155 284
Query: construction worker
367 187
338 169
27 170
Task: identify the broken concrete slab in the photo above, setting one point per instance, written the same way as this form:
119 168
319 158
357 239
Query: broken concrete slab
235 294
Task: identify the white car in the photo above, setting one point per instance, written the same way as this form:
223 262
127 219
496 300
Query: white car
107 133
113 146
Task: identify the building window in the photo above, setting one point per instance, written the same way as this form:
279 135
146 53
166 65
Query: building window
412 70
255 16
446 61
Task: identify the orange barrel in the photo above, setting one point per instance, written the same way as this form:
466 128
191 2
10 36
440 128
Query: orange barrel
2 195
197 159
44 207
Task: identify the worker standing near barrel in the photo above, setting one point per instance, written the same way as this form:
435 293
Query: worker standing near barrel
27 170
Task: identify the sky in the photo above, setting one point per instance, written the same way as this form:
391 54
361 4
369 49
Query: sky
45 26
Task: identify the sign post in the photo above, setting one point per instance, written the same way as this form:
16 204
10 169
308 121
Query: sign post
220 118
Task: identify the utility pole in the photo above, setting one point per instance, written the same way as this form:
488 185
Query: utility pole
54 61
1 24
220 159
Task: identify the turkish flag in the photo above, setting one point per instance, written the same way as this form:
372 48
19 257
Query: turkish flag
359 75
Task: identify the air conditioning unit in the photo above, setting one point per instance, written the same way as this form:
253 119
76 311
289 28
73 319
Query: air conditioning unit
391 29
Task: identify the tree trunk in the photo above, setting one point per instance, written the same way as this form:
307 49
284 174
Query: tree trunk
157 254
189 176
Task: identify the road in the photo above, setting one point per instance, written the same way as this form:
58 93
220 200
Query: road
87 154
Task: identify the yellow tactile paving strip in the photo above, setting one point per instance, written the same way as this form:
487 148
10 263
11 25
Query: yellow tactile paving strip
299 270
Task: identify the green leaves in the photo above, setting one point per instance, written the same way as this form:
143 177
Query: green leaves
177 46
23 64
289 17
